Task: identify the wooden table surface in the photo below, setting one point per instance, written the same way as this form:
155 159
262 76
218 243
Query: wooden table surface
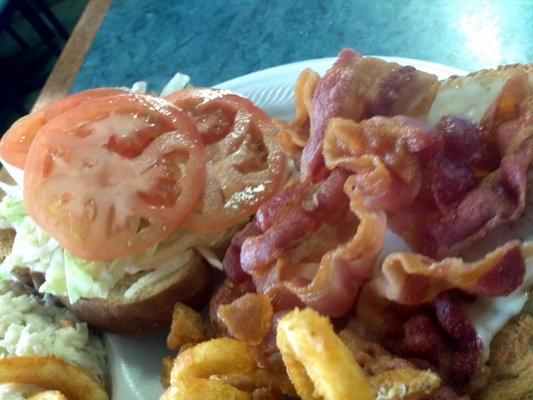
78 45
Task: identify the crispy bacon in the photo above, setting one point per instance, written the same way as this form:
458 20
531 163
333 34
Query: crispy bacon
454 187
316 242
356 88
457 167
297 211
500 196
412 279
386 156
314 247
294 135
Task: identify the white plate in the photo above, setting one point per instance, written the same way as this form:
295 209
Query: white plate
136 362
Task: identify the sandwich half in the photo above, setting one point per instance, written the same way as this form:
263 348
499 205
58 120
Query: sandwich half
124 199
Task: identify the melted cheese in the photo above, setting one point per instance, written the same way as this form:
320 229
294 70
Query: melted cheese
470 99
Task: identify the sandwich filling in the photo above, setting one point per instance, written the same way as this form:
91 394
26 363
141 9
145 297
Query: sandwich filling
75 278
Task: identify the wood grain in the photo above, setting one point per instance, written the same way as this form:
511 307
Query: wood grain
69 62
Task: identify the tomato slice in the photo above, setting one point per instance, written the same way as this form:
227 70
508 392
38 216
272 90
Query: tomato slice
245 164
114 175
16 142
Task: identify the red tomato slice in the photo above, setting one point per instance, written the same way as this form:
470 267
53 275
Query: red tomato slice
16 142
114 175
245 164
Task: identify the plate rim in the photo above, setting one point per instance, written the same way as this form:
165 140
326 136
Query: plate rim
301 65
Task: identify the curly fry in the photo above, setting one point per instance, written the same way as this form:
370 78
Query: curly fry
167 367
204 389
318 363
258 379
214 357
187 327
51 373
394 378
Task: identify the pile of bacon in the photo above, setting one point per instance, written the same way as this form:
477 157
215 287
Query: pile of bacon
368 164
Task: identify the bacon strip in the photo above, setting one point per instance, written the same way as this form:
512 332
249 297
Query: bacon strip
232 262
413 279
314 247
296 212
357 88
451 189
386 156
456 168
294 135
500 196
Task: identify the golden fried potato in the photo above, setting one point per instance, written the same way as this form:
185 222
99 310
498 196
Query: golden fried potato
370 355
248 318
394 378
48 395
167 367
203 389
187 327
267 394
214 357
258 379
405 384
51 373
318 363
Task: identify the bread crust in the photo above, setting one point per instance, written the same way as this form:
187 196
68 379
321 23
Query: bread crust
511 362
149 312
502 72
7 236
144 314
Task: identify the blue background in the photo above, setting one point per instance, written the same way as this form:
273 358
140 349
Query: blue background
214 41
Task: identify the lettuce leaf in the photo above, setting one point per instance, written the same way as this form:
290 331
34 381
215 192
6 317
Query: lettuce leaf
12 212
65 275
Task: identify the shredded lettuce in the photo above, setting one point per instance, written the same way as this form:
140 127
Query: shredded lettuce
66 275
12 212
178 82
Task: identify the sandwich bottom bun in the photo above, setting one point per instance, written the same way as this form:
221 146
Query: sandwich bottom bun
7 236
147 312
151 310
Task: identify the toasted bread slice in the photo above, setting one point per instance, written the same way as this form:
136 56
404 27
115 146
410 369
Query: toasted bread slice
148 312
511 360
470 95
151 310
7 236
